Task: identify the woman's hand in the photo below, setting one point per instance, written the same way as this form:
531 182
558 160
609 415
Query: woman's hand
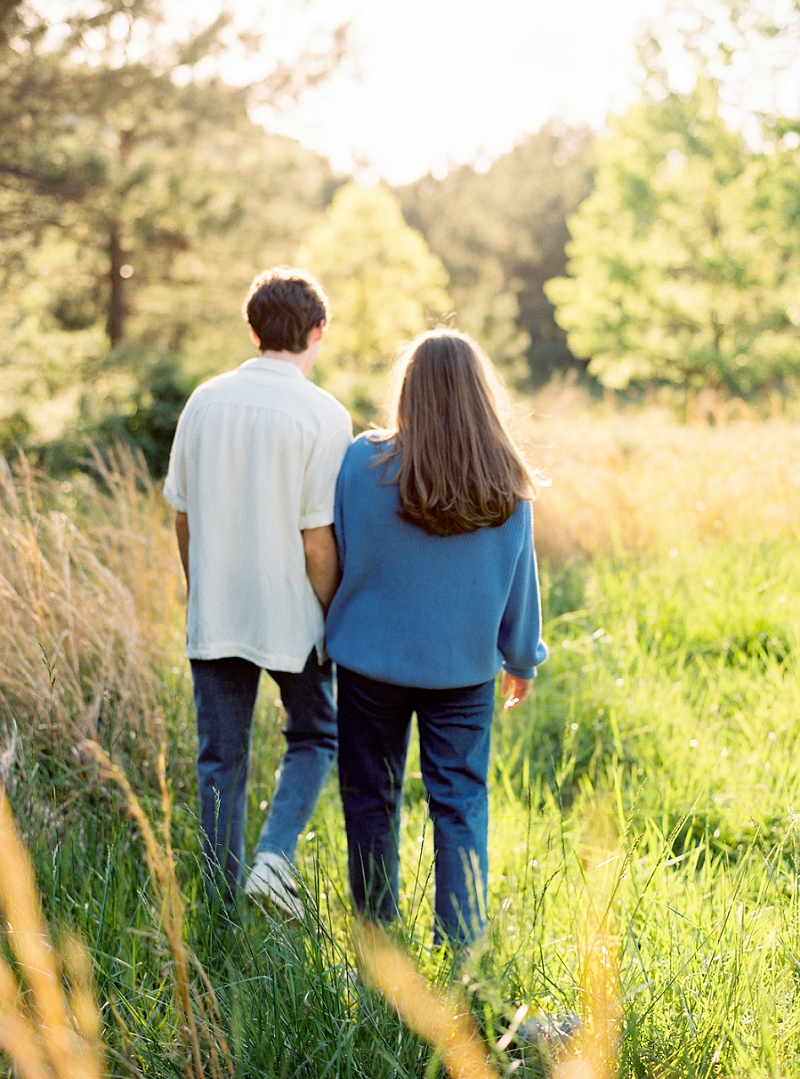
519 689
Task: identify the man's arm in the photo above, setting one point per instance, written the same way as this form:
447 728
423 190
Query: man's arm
182 532
322 563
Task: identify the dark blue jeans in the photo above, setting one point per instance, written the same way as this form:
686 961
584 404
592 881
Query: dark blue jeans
454 736
224 698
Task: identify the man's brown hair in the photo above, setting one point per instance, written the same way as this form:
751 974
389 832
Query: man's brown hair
283 305
458 468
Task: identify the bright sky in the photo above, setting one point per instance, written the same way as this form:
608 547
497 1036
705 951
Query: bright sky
433 83
441 82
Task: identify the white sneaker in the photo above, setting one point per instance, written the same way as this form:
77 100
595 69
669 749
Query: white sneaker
549 1030
273 882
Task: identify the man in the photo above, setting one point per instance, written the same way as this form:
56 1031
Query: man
252 476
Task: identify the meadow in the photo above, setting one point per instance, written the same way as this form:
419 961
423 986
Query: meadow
661 737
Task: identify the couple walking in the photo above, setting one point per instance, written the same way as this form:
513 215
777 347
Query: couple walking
416 543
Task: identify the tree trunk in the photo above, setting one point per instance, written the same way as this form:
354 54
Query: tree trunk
117 307
691 397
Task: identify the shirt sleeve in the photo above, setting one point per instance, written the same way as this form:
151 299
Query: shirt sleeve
319 488
175 484
338 518
520 640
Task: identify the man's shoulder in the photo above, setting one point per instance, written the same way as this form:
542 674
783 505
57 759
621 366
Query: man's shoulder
326 405
209 389
238 385
297 399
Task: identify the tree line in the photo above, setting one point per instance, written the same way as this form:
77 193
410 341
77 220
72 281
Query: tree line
138 197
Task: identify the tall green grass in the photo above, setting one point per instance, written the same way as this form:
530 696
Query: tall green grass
669 705
679 718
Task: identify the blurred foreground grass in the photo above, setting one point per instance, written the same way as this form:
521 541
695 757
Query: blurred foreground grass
669 571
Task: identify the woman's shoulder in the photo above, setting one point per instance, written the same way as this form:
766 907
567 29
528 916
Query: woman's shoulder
523 514
519 524
362 480
366 446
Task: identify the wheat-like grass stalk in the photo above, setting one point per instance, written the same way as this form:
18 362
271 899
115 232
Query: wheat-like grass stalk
639 480
46 1034
442 1019
595 1052
161 864
87 604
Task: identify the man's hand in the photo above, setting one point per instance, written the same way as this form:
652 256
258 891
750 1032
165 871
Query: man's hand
519 689
182 532
322 563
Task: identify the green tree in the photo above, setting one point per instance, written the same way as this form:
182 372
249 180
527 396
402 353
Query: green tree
501 235
137 200
684 259
749 47
384 284
129 162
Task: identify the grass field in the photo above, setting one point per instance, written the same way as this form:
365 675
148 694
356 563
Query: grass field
662 732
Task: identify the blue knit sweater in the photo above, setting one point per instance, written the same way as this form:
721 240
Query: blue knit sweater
435 612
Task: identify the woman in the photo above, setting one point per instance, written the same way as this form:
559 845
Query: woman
439 588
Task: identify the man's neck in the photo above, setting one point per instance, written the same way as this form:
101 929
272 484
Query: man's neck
295 358
304 361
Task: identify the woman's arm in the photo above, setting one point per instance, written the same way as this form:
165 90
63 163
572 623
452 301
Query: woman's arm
520 639
519 689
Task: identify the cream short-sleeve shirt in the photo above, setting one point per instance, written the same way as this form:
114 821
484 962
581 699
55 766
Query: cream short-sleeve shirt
254 463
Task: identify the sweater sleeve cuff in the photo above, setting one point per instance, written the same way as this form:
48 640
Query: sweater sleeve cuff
520 672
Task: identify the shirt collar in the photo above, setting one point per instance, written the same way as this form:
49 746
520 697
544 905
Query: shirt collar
278 367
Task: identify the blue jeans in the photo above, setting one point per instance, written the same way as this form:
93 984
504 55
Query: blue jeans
224 698
454 736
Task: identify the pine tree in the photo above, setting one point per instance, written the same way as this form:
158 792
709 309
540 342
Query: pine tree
136 206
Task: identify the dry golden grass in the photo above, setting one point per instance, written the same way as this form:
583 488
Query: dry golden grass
47 1033
201 1028
443 1018
595 1054
91 610
88 600
91 597
639 479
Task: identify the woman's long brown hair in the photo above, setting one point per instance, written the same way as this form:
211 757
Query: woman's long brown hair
458 468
